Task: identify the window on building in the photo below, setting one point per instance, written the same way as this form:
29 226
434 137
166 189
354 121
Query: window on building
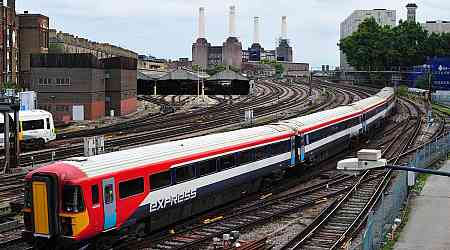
185 173
160 180
62 108
32 125
131 187
95 196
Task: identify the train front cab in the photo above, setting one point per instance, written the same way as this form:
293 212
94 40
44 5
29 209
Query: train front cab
49 223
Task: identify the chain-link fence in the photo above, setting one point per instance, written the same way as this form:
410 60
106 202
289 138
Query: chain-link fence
381 220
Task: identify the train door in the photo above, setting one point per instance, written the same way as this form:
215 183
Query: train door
364 123
293 153
109 204
301 148
44 206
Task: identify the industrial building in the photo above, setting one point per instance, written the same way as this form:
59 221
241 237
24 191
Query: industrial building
186 82
120 85
436 26
33 34
80 87
9 47
151 63
70 86
231 53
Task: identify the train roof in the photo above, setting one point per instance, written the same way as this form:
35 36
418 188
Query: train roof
197 147
323 117
366 104
30 114
386 92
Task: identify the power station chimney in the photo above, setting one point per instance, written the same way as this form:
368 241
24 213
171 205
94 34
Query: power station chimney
284 27
256 30
232 21
201 23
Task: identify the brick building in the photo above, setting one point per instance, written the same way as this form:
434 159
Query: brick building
70 86
9 52
120 85
60 43
33 34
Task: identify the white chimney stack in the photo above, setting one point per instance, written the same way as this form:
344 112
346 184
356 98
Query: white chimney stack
232 21
256 30
201 23
284 27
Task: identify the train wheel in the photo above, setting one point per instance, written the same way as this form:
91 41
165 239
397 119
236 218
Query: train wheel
140 230
104 243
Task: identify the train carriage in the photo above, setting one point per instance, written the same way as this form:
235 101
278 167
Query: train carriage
140 190
154 185
36 127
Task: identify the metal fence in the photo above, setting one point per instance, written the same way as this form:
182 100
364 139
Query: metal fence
442 99
381 220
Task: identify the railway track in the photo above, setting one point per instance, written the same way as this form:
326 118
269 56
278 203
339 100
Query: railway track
177 129
248 215
263 111
336 224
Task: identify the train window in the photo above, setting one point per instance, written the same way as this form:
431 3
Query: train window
48 122
32 125
260 153
94 191
245 157
160 180
206 167
72 199
185 173
226 162
109 194
131 187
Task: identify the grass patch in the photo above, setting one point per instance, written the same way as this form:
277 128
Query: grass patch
442 109
420 183
390 243
421 180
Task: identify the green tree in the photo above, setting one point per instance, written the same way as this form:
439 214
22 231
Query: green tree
410 41
196 67
374 46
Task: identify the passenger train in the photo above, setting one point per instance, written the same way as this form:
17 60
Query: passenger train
94 201
36 127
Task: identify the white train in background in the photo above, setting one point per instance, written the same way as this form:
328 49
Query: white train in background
36 127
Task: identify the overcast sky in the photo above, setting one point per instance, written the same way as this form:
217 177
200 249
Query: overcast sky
167 28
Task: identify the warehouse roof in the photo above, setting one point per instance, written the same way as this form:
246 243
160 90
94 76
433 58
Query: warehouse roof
150 75
183 75
228 75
